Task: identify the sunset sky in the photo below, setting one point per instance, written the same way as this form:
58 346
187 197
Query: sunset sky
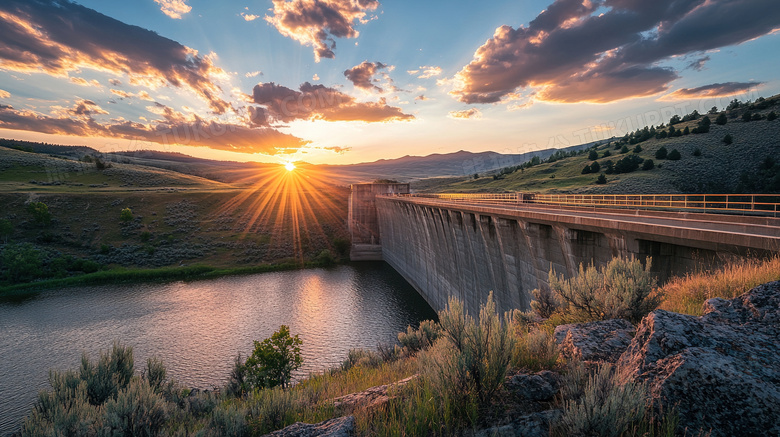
345 81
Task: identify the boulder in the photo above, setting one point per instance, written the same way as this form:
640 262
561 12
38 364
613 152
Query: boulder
721 371
542 386
595 341
371 397
338 427
530 425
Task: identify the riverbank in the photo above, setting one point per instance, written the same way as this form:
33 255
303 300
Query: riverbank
163 274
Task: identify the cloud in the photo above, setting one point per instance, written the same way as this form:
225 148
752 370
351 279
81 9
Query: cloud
712 90
4 94
59 37
698 64
425 72
466 114
115 82
249 17
254 73
606 50
83 82
421 98
318 102
174 8
315 77
143 95
362 76
121 94
338 149
173 128
317 22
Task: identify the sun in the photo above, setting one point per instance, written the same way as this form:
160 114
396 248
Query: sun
289 166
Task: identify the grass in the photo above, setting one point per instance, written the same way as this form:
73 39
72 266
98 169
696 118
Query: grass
687 294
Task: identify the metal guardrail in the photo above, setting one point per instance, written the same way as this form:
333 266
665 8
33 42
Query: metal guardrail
758 204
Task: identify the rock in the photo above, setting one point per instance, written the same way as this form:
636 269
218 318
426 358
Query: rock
338 427
721 370
541 386
595 341
371 397
531 425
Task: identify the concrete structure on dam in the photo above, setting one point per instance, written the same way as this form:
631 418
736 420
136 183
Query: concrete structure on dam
363 222
466 249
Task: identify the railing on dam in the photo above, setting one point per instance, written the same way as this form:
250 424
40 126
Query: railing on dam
757 204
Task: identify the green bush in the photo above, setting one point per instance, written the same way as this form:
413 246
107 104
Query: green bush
40 213
473 356
415 340
126 215
536 349
601 180
674 155
21 262
325 258
274 360
648 164
772 116
6 229
609 406
622 289
721 119
361 357
545 302
585 170
696 152
593 155
110 374
136 411
595 167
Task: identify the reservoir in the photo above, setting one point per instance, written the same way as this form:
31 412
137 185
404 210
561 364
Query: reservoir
198 327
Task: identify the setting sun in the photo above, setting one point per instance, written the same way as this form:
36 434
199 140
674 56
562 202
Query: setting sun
289 166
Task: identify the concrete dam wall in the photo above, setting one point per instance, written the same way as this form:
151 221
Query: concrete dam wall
468 250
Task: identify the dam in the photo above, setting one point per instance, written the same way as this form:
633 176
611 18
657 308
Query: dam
467 245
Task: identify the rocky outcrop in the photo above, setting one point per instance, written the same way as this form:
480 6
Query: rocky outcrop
595 341
530 425
542 386
721 371
371 397
338 427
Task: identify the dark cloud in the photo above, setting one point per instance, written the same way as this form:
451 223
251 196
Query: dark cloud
173 128
713 90
362 76
698 64
59 37
606 50
318 22
318 102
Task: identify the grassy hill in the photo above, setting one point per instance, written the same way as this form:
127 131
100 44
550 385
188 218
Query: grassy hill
750 163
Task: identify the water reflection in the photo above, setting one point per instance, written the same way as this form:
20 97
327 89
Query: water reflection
197 328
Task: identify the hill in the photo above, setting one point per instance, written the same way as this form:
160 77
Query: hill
748 161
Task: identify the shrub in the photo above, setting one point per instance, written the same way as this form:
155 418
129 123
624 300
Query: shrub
545 302
721 119
109 375
674 155
624 149
21 262
661 153
771 116
6 229
274 359
342 246
326 258
238 383
606 154
229 420
747 116
623 289
40 213
595 167
473 355
146 236
648 164
415 340
686 131
585 170
610 406
137 411
601 180
126 215
536 349
757 117
593 155
361 357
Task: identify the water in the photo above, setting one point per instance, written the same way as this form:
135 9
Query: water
197 328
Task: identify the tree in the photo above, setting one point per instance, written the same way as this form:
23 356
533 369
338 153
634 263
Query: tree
772 116
696 152
713 110
6 229
601 180
40 213
585 170
606 154
21 261
661 153
638 149
274 360
624 149
674 155
648 164
686 131
728 139
747 116
674 120
476 175
593 155
126 215
595 167
722 119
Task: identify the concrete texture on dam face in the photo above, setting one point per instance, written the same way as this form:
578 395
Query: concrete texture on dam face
468 250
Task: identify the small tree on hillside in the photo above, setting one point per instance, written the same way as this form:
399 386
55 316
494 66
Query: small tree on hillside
126 215
6 229
601 180
674 155
772 116
661 153
274 360
722 119
593 155
728 139
40 213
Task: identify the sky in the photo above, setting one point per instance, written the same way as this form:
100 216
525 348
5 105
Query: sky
347 81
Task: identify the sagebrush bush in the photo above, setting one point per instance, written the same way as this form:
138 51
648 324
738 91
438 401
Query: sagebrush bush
361 357
473 358
535 349
136 411
228 419
545 302
623 289
111 373
610 405
415 340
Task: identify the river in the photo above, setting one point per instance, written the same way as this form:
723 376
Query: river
198 327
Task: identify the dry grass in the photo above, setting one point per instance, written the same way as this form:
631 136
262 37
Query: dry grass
686 295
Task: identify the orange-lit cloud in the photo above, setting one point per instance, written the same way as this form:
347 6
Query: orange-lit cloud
318 22
174 8
249 17
318 102
466 114
425 72
362 75
172 128
712 90
83 82
57 38
606 50
4 94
